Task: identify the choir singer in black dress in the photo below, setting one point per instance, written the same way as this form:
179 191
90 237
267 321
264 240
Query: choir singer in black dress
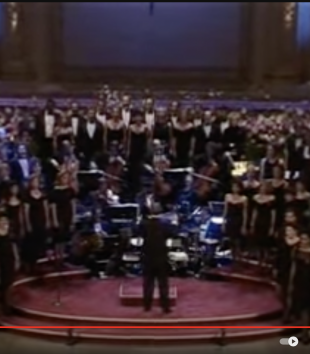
8 262
62 203
155 261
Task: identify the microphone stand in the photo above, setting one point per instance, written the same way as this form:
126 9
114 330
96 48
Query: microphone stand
58 267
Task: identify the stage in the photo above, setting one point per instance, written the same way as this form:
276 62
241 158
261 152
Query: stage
84 302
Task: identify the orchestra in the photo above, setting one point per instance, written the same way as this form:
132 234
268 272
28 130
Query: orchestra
104 167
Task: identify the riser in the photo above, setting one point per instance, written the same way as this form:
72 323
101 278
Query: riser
160 340
84 321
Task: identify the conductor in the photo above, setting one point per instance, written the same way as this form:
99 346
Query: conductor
155 261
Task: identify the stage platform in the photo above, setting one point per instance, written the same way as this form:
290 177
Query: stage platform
87 304
131 294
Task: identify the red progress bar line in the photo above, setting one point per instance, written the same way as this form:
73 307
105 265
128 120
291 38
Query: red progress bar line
161 327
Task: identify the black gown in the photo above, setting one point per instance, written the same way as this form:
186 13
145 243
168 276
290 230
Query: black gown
4 190
269 167
61 138
7 268
280 206
183 139
283 263
234 221
35 241
14 213
114 135
301 207
263 223
138 146
249 192
161 132
300 294
62 199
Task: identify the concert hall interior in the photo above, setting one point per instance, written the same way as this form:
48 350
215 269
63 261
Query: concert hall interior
154 172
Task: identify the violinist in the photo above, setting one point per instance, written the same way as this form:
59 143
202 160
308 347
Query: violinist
114 167
162 192
206 176
158 159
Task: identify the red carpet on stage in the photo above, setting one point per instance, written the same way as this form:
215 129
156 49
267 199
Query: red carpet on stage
131 294
90 303
100 298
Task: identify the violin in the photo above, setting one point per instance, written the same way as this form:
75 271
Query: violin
161 164
114 171
203 186
161 187
71 166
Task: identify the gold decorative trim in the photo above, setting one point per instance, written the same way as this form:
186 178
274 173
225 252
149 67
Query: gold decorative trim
13 15
289 14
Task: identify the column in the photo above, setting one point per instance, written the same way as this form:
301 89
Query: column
14 63
258 42
40 41
285 65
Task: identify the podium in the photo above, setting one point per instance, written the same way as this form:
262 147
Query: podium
132 295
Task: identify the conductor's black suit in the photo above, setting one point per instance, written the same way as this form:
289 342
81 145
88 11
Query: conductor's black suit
155 263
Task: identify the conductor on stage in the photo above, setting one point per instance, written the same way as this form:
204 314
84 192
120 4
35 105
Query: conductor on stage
155 261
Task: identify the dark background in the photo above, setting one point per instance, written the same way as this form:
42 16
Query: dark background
178 35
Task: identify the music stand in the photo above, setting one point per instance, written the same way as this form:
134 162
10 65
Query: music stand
90 180
123 213
176 176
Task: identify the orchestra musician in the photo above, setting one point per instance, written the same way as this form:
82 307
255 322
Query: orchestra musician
205 177
114 167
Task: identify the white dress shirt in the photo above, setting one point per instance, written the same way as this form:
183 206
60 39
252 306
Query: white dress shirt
49 123
207 130
75 125
126 116
24 164
91 128
150 119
